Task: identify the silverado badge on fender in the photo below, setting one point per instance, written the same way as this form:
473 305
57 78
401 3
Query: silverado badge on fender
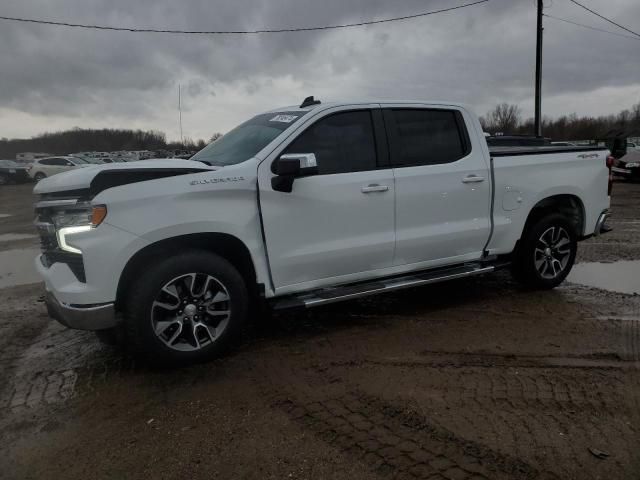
216 180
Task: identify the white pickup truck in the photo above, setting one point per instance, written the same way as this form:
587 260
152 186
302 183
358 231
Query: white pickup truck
303 206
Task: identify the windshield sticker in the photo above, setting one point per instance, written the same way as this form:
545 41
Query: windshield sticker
284 118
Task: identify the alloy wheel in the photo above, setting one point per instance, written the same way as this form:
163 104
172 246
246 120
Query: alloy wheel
191 312
552 252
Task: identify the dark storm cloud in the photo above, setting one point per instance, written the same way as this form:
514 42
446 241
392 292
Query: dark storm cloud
478 55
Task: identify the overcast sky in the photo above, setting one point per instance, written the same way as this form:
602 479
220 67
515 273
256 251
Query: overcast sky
53 78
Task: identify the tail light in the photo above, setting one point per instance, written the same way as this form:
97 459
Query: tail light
29 167
610 162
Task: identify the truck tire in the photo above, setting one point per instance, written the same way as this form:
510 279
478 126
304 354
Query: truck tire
546 252
187 308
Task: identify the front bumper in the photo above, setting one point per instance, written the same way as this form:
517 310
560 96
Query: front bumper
82 317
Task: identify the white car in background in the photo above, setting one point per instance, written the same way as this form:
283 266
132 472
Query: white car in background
45 167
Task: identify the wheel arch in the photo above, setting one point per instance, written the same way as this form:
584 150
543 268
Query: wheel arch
225 245
567 204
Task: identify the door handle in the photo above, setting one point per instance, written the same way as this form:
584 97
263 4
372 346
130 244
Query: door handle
473 179
374 187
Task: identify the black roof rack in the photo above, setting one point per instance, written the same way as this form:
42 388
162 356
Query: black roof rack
309 101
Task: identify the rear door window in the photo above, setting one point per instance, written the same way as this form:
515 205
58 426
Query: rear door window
426 136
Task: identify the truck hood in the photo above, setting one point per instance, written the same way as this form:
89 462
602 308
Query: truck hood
100 177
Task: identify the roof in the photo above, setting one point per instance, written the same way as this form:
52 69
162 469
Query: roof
327 105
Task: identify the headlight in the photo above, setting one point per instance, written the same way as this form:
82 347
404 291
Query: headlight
81 218
64 232
632 165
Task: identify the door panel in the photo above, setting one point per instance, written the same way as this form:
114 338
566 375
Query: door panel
442 209
339 222
327 226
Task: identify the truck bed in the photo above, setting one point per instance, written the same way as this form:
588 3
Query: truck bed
514 151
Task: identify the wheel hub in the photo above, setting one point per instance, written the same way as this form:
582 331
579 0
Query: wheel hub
191 312
552 252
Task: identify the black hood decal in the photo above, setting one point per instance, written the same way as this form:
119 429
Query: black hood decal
115 178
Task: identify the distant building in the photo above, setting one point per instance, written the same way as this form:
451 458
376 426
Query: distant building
28 156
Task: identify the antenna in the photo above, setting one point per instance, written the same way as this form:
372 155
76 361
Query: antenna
180 113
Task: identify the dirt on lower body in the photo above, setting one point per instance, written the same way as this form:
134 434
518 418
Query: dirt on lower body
472 379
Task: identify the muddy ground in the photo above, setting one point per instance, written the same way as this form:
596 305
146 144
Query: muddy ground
472 379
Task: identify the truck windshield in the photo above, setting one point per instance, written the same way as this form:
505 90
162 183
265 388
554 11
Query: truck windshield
247 139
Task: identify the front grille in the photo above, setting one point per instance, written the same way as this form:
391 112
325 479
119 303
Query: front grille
48 240
72 260
49 244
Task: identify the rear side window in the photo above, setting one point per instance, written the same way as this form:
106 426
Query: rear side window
49 161
342 142
427 137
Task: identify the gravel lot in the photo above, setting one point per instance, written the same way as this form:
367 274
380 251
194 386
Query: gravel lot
472 379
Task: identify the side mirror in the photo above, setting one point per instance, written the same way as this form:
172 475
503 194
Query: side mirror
291 166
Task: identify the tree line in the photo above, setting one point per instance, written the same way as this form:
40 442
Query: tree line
101 140
504 118
507 119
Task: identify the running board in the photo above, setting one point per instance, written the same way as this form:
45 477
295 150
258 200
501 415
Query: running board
347 292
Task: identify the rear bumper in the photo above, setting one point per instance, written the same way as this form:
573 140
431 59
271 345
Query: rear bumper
82 317
601 226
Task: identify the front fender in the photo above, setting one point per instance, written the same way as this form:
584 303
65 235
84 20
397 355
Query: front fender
222 201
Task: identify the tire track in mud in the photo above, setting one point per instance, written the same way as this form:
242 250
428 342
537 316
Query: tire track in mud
52 366
535 422
397 443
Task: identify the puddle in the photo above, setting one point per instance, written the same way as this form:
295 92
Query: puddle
7 237
622 277
17 268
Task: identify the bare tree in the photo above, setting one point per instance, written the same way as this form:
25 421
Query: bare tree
215 137
635 111
504 118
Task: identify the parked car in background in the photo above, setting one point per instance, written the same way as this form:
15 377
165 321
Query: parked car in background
30 156
184 154
563 144
140 155
631 146
13 172
92 161
45 167
628 166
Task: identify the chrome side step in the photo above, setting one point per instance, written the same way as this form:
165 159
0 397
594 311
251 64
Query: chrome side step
348 292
